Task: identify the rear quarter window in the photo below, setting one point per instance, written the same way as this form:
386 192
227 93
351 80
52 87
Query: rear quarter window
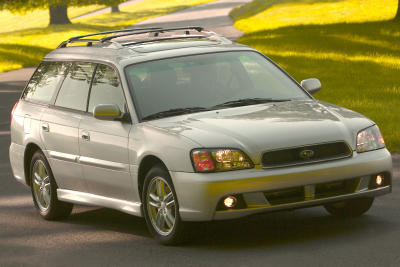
74 91
44 82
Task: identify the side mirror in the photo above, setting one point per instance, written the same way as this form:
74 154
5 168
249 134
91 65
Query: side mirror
107 112
312 85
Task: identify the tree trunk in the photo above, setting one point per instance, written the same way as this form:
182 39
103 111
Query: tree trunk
58 15
398 12
115 9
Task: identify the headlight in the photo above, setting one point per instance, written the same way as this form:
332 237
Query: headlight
209 160
369 139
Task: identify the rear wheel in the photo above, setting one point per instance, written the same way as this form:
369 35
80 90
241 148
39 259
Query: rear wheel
160 206
44 190
350 208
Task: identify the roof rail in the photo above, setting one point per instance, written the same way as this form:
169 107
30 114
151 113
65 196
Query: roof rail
79 38
156 31
165 39
128 32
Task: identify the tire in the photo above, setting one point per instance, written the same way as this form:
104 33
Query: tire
44 190
162 215
350 208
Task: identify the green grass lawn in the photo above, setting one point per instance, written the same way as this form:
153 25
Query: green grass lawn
11 22
25 39
352 46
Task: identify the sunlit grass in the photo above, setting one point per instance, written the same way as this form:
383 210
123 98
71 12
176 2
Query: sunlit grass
352 46
272 14
26 46
10 22
143 10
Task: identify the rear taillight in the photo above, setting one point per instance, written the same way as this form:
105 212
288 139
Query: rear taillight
13 109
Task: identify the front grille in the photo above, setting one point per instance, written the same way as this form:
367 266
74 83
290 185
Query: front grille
306 154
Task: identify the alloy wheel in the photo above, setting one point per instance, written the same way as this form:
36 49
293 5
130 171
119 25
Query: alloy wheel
161 206
41 185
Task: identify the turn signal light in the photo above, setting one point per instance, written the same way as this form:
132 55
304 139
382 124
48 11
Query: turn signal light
203 161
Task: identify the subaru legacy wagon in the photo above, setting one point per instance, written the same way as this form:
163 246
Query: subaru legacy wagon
179 125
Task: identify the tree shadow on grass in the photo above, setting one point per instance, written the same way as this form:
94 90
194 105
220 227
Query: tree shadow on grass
22 54
25 55
60 28
124 19
349 38
259 6
15 53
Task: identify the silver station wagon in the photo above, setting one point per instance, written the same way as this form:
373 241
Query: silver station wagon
179 125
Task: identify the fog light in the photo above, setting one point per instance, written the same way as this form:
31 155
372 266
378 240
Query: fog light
230 202
379 180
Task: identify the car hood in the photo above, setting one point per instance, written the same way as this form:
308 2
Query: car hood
258 128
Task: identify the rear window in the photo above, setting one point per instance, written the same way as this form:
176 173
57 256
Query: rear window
44 82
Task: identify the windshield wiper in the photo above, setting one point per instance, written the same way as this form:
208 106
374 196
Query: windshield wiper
173 112
248 101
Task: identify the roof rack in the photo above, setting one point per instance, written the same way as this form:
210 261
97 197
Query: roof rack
128 32
166 39
79 38
155 31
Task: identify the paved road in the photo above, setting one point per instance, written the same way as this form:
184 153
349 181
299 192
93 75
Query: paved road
106 10
213 16
103 237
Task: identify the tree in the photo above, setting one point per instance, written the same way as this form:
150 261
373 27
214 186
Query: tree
58 15
398 12
115 9
57 8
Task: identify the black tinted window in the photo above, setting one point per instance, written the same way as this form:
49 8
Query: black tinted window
75 88
44 82
106 88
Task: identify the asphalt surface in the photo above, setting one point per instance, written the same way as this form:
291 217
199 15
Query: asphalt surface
104 237
213 16
106 10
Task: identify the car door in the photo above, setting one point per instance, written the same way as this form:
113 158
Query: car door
60 126
104 144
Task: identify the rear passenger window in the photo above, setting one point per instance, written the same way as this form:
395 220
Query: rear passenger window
44 82
106 89
75 88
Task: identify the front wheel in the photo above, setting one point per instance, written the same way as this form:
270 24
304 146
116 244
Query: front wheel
44 190
350 208
160 206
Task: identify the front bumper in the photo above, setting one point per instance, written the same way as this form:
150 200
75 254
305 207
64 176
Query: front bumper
199 193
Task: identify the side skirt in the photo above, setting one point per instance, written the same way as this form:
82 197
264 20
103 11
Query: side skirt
133 208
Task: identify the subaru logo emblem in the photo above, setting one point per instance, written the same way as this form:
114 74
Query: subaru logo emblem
306 154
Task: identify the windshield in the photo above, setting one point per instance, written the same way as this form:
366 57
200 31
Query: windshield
207 80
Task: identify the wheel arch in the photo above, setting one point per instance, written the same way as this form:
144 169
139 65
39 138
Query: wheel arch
30 150
144 167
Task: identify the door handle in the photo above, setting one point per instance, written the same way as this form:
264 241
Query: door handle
85 136
45 127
